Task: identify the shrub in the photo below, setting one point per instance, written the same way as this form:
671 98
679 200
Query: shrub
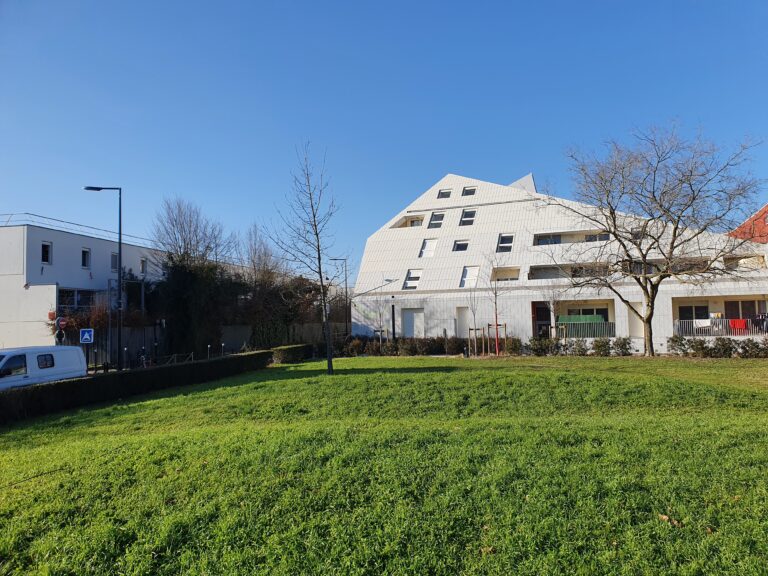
723 348
29 401
579 347
544 346
389 348
355 347
622 346
455 345
407 347
514 346
698 347
750 348
678 345
373 348
291 353
764 348
430 346
601 346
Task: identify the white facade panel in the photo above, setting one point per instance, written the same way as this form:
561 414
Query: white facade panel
518 211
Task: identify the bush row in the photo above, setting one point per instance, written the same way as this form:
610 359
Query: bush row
291 353
29 401
580 347
404 346
514 347
720 347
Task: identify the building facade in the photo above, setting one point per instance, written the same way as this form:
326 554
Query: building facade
467 252
48 271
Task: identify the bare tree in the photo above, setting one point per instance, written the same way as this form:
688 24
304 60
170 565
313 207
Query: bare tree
184 235
304 235
661 208
473 303
260 263
496 282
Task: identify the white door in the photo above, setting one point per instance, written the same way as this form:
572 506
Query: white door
413 322
463 321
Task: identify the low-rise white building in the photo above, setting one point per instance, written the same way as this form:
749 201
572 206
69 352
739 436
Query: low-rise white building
430 271
45 270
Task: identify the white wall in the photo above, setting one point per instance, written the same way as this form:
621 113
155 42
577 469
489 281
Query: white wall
65 268
391 251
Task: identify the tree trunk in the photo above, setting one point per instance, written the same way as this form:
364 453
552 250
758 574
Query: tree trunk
328 342
496 324
648 333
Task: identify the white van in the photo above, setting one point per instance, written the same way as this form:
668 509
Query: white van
25 366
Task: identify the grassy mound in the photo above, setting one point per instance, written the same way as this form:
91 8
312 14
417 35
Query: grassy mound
403 466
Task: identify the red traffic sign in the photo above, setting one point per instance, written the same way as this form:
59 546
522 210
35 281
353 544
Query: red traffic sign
61 323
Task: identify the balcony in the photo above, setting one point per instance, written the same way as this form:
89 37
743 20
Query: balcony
727 327
597 329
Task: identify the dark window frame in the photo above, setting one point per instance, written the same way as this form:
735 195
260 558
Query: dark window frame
45 361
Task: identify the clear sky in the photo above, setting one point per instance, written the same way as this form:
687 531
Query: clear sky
208 100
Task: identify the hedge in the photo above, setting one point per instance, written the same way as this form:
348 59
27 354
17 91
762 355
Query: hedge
291 353
40 399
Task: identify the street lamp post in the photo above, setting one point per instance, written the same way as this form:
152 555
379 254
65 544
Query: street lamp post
346 295
119 266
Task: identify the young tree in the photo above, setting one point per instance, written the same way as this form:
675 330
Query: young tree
304 234
495 280
660 208
473 303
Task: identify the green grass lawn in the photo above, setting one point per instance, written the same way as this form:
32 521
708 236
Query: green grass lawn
404 466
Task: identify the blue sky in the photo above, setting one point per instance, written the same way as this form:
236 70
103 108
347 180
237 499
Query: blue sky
208 100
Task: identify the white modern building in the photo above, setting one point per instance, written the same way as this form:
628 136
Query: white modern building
48 271
433 264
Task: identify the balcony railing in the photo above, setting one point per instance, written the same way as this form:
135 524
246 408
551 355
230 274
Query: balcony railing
728 327
586 329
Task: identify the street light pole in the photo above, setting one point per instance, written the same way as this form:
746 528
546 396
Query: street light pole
119 266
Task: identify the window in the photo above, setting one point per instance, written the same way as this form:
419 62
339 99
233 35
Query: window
601 237
638 234
505 243
412 280
460 245
45 361
589 312
436 220
113 261
589 271
547 239
469 191
66 297
15 366
143 266
444 193
467 218
505 274
84 298
469 276
427 248
414 222
46 253
744 309
85 258
694 312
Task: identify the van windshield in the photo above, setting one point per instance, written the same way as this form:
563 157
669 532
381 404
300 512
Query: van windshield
1 358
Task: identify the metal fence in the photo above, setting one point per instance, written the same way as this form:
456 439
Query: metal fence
586 329
728 327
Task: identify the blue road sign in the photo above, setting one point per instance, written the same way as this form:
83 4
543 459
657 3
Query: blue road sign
86 335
